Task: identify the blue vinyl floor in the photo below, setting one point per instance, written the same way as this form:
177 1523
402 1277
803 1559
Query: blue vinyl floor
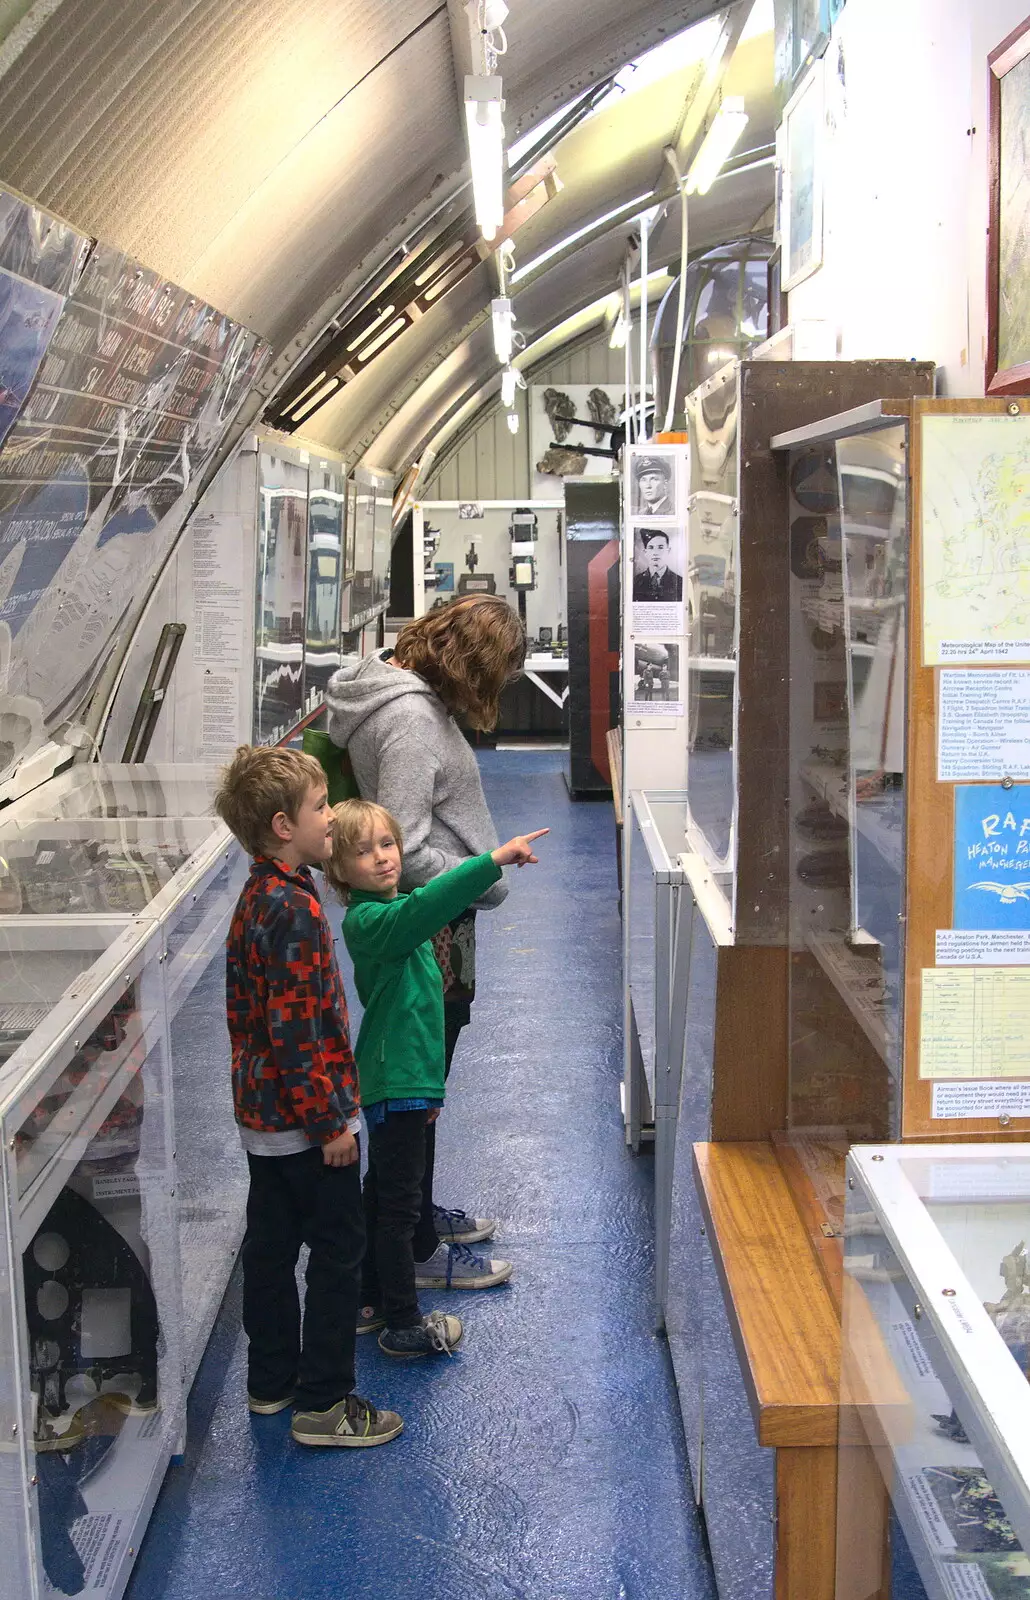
545 1461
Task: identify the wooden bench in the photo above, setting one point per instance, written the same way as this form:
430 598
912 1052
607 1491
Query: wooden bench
613 739
787 1335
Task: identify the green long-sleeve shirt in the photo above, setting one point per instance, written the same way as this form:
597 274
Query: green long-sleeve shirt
400 1048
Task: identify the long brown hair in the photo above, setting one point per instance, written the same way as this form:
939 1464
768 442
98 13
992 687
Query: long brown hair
466 652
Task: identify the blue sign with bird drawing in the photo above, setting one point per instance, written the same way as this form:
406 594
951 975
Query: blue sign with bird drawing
992 856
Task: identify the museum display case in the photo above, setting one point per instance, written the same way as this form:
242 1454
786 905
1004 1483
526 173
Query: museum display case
123 1177
934 1462
908 925
731 983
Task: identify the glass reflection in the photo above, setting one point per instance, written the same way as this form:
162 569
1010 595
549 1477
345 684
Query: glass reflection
841 1047
875 561
281 569
325 563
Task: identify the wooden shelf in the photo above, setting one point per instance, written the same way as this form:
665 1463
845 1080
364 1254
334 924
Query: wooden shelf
784 1323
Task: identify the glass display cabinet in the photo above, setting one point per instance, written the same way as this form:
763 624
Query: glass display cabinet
884 501
123 1178
934 1452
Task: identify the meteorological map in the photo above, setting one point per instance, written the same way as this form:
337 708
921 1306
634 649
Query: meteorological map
976 539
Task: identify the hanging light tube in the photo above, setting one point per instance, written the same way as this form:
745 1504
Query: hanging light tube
503 319
727 126
513 422
511 381
485 128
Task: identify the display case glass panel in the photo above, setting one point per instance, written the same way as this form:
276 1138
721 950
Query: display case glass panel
93 1303
92 865
362 591
281 594
934 1464
848 552
113 790
326 518
713 622
212 1166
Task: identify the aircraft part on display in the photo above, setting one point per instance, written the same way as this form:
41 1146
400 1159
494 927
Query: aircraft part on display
113 399
565 426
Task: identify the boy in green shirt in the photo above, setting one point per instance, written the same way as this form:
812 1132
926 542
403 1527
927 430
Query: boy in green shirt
400 1047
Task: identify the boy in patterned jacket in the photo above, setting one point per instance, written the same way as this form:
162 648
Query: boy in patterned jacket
296 1100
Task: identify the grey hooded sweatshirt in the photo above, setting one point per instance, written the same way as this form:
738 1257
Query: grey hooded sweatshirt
410 756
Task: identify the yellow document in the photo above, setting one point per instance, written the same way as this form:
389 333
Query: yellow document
975 1023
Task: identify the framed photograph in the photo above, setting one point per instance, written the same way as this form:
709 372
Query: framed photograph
801 225
1008 239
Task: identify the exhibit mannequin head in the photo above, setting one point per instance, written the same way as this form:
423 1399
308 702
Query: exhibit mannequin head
467 652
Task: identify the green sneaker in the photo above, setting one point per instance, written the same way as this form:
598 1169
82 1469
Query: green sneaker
351 1422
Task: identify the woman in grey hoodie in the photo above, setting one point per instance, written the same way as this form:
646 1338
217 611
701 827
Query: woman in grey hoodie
396 715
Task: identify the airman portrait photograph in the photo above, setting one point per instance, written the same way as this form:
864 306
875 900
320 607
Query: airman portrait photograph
654 486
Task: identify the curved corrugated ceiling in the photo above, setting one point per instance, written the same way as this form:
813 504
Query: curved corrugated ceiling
271 154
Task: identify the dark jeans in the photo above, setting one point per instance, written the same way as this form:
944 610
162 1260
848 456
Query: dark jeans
393 1197
426 1237
297 1200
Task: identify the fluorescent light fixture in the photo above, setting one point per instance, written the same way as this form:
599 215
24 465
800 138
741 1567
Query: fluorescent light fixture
511 381
513 422
483 107
620 332
630 209
503 319
727 126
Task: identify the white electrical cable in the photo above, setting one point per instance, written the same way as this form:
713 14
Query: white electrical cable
645 228
628 353
670 156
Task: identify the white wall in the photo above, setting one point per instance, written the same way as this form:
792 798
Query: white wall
906 146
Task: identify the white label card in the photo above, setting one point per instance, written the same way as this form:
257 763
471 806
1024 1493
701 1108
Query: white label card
984 1099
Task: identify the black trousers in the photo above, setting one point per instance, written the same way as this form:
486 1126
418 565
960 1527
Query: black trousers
297 1200
426 1237
393 1200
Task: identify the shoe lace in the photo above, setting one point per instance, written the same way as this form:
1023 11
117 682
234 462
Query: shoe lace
452 1216
361 1414
463 1253
436 1327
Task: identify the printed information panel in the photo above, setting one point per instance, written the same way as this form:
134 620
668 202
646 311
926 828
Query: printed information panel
982 726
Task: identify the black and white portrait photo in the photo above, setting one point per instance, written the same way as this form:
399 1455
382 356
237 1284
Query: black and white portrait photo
653 492
658 565
656 680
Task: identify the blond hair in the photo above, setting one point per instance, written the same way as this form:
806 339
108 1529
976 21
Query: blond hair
259 782
467 652
353 820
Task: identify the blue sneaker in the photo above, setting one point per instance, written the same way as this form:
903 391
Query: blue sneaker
457 1227
455 1266
437 1334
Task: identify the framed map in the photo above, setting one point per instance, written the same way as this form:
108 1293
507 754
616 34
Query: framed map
1008 269
975 517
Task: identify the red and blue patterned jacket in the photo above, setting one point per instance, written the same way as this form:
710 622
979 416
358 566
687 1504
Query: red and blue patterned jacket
292 1064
